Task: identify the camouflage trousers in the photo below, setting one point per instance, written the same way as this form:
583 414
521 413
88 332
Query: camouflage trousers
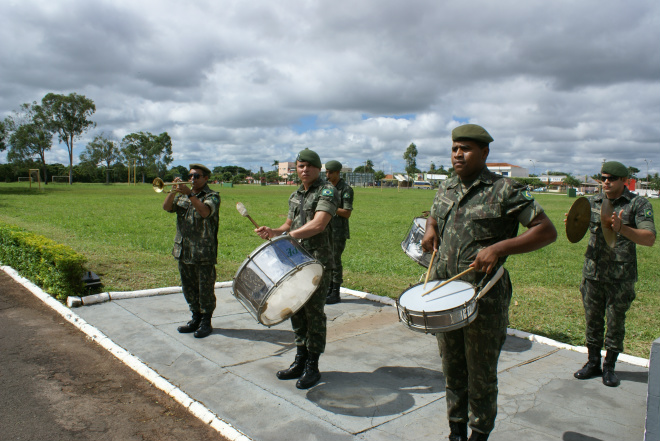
198 285
606 300
469 360
309 323
338 246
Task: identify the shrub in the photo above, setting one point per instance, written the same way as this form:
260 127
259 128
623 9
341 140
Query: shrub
56 268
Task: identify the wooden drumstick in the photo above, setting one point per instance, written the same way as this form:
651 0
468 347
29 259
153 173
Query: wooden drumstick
429 271
447 281
241 209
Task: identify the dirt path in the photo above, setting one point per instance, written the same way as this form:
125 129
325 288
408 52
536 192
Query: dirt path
55 384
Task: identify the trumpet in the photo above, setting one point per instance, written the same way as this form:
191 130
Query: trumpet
159 185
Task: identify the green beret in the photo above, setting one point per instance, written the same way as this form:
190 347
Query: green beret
206 171
471 131
615 168
310 156
333 166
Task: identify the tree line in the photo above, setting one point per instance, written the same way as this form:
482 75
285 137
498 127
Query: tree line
28 134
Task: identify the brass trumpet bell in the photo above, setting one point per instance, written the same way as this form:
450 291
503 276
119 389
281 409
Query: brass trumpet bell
159 185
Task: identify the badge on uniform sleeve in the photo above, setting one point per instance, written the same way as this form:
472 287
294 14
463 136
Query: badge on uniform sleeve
528 195
327 192
648 213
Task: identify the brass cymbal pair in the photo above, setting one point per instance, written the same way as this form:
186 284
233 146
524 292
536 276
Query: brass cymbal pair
579 216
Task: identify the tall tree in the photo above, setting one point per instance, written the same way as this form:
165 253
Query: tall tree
3 135
68 116
28 137
411 160
150 152
369 166
101 152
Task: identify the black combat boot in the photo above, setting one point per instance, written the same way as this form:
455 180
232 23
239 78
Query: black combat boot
457 431
609 377
333 297
311 375
297 367
205 327
592 367
192 325
478 436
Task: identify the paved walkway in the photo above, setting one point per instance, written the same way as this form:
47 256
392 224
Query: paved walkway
381 381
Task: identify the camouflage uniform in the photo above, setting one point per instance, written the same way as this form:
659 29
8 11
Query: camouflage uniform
340 230
609 274
196 249
309 323
469 220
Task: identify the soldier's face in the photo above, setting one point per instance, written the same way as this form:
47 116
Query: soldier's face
307 172
613 185
332 176
468 159
197 178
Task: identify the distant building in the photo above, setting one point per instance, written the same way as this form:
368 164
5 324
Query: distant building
284 169
508 170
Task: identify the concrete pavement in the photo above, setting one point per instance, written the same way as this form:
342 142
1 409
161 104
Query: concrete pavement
381 381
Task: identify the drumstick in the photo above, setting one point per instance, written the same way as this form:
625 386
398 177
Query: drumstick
447 281
429 271
241 209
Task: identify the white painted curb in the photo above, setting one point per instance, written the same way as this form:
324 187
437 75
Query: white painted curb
194 407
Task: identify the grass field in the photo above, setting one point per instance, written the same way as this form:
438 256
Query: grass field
127 239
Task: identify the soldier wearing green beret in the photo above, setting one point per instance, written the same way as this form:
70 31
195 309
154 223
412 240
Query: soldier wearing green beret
311 207
474 224
609 274
196 245
340 230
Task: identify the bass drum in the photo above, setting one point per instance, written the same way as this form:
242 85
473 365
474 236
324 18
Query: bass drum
276 280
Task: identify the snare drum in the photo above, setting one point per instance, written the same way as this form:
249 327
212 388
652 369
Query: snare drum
412 244
276 280
445 309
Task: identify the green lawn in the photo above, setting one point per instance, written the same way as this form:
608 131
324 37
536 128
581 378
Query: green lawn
127 238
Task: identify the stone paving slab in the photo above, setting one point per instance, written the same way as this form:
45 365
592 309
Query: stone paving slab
381 381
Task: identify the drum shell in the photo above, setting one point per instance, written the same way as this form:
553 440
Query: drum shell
441 320
276 280
412 243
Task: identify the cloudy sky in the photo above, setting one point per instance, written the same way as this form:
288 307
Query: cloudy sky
561 85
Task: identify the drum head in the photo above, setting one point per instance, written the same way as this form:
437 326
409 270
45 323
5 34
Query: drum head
291 294
450 296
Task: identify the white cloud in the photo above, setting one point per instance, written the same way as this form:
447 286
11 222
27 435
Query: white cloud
560 85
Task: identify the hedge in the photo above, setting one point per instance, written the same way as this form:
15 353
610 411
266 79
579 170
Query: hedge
56 268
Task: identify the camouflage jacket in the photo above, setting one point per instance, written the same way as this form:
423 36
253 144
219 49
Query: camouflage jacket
619 263
303 205
196 239
339 224
471 219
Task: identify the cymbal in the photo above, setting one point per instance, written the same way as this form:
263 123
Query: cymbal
606 211
577 221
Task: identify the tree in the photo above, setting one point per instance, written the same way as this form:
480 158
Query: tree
632 172
411 160
378 175
28 137
369 166
150 152
101 152
432 168
68 116
3 135
572 181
